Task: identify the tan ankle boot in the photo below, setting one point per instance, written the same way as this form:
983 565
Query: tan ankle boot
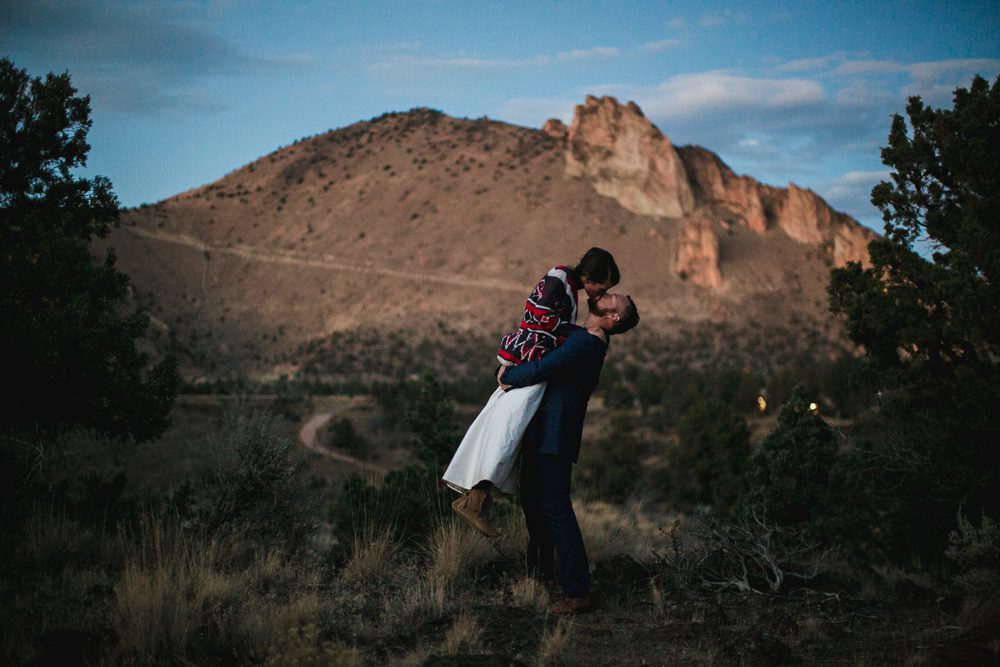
472 507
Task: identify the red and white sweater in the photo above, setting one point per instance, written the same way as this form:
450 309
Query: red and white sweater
549 315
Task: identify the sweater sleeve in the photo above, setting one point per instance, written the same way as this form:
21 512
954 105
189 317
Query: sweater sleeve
552 304
577 350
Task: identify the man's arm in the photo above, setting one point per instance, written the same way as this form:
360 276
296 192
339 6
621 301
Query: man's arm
578 349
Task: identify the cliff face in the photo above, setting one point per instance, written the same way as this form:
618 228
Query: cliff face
698 253
627 158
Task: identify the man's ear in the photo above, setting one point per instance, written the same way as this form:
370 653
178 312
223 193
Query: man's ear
615 316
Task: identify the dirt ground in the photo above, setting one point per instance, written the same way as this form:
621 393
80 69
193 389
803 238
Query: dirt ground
807 627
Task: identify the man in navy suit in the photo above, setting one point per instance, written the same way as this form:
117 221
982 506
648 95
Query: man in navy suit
551 445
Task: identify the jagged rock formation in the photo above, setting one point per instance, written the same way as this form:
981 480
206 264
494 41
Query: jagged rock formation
698 253
555 128
629 159
736 198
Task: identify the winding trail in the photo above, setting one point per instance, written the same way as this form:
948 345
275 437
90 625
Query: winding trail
317 261
309 437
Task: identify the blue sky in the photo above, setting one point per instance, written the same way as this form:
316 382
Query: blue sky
183 92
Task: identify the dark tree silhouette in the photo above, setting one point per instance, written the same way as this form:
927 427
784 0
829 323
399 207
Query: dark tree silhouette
67 336
931 327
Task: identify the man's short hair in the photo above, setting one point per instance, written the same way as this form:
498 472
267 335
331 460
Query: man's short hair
628 317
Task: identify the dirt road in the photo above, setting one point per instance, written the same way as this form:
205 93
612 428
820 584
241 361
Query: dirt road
309 437
321 261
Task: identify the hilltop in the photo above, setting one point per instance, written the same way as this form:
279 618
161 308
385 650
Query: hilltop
413 220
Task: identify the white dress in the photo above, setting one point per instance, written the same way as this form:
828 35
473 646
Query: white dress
489 449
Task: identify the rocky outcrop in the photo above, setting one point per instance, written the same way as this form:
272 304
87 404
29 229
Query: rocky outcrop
698 252
850 243
805 217
555 128
627 158
714 183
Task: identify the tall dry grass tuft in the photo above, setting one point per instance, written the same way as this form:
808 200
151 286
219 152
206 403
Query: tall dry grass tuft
301 646
463 637
659 599
373 555
555 640
375 545
513 533
180 596
53 539
610 530
455 550
527 593
162 591
411 598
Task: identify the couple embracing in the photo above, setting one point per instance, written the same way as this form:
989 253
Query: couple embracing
549 368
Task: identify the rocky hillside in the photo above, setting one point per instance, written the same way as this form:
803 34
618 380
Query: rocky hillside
413 219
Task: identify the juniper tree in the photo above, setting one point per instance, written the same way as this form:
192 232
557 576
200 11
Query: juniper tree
67 334
930 325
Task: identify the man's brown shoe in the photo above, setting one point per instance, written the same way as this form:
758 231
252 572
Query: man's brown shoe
472 507
569 606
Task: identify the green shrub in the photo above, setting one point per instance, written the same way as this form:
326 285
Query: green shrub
404 506
791 475
254 482
611 467
342 435
432 421
707 466
976 552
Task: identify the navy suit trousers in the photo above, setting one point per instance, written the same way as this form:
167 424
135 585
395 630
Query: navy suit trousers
552 525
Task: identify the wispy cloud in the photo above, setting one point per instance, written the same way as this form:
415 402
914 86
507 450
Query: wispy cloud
719 19
721 92
662 45
869 67
587 54
808 64
409 63
676 23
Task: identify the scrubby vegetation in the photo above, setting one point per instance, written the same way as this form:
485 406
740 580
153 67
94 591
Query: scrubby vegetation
746 497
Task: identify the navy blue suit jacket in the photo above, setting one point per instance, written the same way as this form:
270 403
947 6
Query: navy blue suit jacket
572 371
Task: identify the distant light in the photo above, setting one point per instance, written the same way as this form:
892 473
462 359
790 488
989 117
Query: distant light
813 408
761 404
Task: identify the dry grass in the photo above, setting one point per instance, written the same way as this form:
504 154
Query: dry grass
373 555
162 590
609 531
513 532
555 641
301 647
412 598
812 629
175 592
463 637
527 593
51 537
454 551
658 598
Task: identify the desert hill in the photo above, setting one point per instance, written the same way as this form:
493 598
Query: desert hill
413 219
